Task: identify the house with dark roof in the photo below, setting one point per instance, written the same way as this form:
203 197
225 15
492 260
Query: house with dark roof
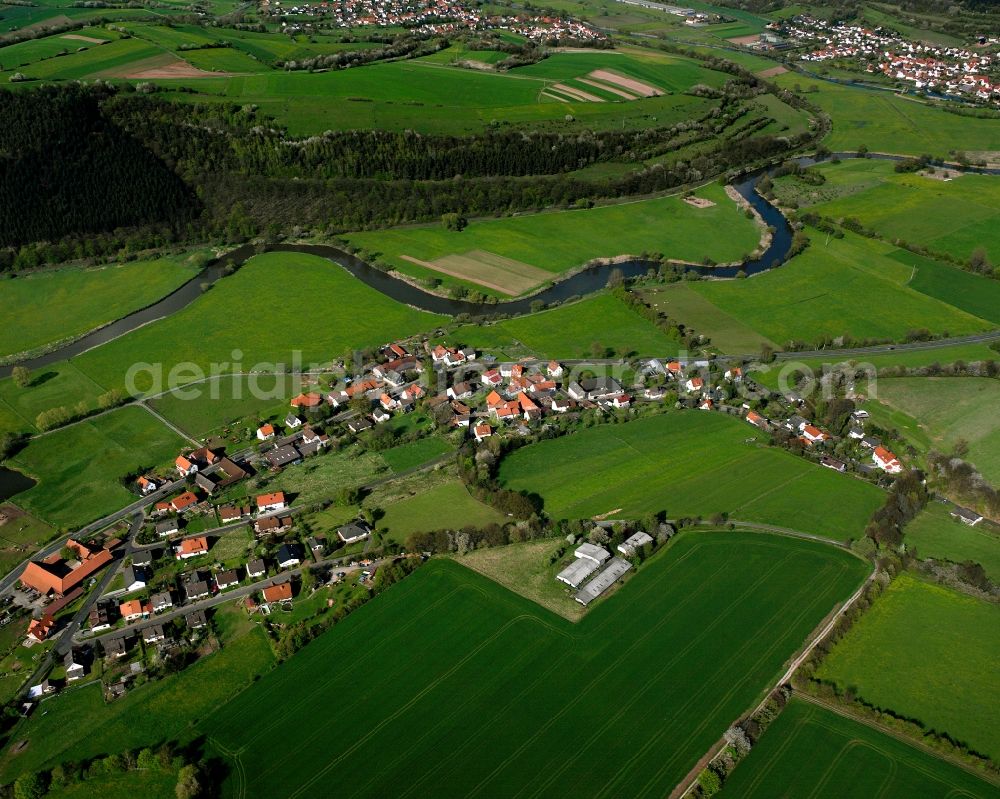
196 620
290 554
166 527
227 579
353 532
154 634
270 525
116 647
205 482
284 455
194 591
256 568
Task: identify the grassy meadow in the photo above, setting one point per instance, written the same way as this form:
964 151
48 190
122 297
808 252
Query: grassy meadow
947 410
58 385
277 304
935 534
78 724
812 751
954 216
221 405
688 463
446 505
570 331
558 241
836 287
884 122
684 303
46 307
927 653
436 701
78 467
769 374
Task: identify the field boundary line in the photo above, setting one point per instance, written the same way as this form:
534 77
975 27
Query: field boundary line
913 742
613 664
807 608
683 788
665 666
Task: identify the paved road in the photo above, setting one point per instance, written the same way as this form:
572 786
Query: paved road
226 596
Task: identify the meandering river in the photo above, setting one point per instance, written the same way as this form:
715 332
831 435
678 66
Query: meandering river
581 283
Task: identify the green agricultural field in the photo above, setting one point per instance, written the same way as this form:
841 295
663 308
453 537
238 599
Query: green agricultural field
812 751
78 724
951 409
836 287
432 97
688 463
223 403
78 468
447 505
413 454
24 53
928 653
955 216
667 225
58 385
148 784
457 666
570 331
886 123
683 303
20 535
975 294
223 59
93 62
935 534
769 374
275 306
50 306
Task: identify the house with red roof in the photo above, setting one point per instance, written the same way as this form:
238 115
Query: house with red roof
184 501
694 384
756 419
270 502
310 400
192 547
185 466
282 592
813 434
135 609
265 431
55 576
886 461
147 485
39 629
482 431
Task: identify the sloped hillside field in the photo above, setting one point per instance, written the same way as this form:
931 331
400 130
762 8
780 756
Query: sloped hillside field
689 463
449 685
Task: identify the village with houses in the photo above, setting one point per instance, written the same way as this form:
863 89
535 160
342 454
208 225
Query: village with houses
429 18
159 579
969 72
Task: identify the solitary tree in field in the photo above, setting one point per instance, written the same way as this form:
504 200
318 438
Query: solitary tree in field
188 783
979 261
21 375
453 221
